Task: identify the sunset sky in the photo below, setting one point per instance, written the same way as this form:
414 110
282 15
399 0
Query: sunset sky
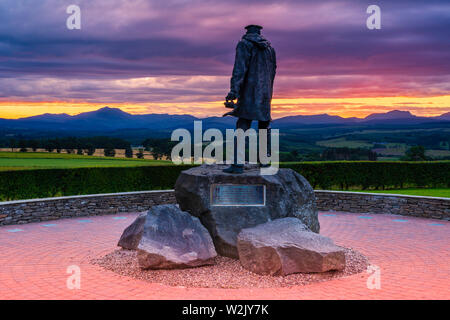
176 57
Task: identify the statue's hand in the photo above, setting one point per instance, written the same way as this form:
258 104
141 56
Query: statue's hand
231 96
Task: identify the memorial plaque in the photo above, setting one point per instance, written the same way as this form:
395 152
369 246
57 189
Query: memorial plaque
238 195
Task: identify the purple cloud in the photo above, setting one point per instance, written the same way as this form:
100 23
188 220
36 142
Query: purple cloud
323 48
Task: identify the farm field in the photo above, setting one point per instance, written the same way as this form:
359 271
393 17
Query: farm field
344 143
37 160
120 153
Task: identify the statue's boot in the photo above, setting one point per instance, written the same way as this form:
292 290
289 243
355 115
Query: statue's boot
234 169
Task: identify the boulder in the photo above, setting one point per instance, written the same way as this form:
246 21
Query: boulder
288 194
172 238
286 246
133 233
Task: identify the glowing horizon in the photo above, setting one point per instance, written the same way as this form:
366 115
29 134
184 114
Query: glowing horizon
344 107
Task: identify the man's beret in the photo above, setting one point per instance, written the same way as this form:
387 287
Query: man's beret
253 26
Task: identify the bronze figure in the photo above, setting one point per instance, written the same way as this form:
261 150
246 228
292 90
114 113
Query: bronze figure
251 84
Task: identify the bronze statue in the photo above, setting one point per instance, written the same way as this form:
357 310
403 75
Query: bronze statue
251 84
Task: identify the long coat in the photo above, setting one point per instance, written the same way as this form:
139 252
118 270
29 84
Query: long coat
253 74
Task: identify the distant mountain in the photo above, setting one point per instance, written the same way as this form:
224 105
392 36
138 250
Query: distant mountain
314 119
48 117
402 117
105 113
444 116
391 115
110 119
100 120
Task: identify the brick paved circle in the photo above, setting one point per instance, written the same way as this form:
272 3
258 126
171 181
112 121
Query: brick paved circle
413 255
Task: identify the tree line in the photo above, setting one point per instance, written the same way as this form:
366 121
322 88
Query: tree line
158 148
81 146
161 148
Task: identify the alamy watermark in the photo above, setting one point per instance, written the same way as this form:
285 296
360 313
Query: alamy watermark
74 20
374 280
235 142
74 280
374 20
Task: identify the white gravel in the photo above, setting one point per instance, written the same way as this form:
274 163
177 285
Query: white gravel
226 273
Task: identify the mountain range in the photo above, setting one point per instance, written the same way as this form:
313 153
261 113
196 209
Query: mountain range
110 119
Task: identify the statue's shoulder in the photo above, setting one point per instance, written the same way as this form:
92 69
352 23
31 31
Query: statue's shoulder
244 43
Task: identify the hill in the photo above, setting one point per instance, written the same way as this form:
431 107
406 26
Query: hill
388 134
110 119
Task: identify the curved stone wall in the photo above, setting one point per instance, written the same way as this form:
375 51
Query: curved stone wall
359 202
37 210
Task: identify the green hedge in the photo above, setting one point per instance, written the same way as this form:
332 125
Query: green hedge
346 175
28 184
42 183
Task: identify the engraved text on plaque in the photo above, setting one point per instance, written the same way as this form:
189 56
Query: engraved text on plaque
238 195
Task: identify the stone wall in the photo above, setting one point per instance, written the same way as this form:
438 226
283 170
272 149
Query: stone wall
417 206
25 211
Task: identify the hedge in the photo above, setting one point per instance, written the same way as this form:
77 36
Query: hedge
42 183
364 175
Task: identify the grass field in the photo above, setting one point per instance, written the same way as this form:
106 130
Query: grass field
444 193
37 160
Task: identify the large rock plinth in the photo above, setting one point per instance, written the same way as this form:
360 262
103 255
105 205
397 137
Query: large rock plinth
288 194
286 246
168 238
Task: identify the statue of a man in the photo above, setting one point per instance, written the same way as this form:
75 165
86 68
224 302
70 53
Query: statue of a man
252 84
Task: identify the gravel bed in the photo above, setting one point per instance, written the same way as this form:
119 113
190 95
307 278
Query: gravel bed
226 273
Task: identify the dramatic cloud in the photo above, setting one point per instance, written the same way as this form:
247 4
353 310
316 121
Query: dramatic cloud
164 52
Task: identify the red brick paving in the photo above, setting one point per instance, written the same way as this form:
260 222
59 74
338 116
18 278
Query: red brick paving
414 257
